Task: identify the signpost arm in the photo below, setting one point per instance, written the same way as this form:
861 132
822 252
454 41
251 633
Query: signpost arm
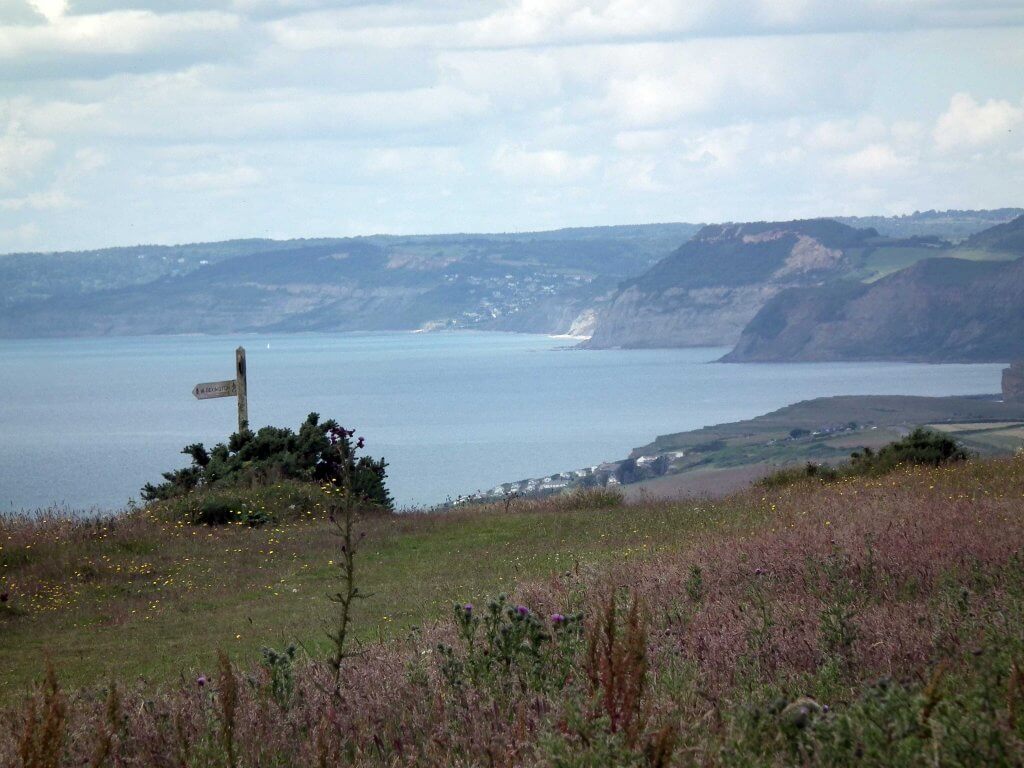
243 404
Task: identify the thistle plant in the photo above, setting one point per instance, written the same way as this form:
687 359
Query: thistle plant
227 696
505 643
280 668
346 501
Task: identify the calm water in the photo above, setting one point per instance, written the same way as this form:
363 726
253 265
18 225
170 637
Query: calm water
85 422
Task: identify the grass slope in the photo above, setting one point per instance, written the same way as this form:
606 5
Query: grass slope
139 596
866 622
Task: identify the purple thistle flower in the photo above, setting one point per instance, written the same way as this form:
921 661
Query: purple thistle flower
522 610
360 443
468 608
201 681
557 618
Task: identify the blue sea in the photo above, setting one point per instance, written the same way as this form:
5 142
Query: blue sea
85 422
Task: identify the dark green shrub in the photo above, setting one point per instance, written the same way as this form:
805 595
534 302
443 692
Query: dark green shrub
214 511
320 452
254 506
790 475
923 447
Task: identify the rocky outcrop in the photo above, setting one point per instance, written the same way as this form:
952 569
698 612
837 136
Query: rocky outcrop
1013 383
938 310
706 292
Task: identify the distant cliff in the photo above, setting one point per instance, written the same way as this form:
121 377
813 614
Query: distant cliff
968 308
1013 383
938 310
710 288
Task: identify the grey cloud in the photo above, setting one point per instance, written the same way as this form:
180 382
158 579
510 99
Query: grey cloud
98 47
256 9
85 7
19 12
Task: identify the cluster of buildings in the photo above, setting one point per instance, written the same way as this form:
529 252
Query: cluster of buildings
509 294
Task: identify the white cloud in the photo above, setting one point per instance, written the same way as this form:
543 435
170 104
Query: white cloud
969 124
544 165
53 199
120 32
414 162
314 116
21 154
845 134
872 160
52 10
223 180
22 236
721 148
537 23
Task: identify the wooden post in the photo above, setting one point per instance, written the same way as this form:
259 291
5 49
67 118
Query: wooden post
243 403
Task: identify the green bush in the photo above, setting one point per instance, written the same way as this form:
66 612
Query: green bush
215 511
253 506
924 447
320 453
790 475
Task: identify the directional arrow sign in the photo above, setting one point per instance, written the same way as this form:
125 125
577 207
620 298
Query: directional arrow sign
210 389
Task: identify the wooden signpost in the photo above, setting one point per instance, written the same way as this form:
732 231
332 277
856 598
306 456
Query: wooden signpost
235 387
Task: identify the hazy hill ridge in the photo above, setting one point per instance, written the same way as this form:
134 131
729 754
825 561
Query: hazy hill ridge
642 285
938 310
953 225
522 282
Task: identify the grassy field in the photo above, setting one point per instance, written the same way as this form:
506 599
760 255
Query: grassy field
862 622
825 431
886 260
987 437
140 596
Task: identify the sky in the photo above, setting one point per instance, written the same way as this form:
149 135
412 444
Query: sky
170 121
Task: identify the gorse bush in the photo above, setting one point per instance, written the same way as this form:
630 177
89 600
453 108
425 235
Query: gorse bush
320 452
253 506
922 447
809 471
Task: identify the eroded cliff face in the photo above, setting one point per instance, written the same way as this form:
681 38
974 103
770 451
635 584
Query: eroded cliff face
706 292
939 310
1013 383
699 317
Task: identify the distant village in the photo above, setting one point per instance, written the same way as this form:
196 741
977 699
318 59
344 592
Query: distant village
636 469
507 295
